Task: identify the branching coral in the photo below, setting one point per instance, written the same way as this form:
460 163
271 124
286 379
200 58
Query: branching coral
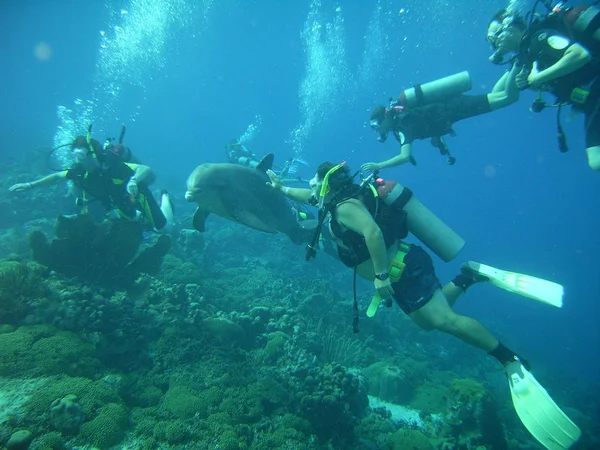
339 348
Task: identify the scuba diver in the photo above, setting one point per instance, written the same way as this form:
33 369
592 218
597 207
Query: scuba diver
238 153
103 175
430 110
559 53
369 222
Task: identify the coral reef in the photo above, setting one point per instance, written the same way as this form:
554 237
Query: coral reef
19 440
65 415
21 285
226 349
409 440
472 416
48 352
331 399
105 254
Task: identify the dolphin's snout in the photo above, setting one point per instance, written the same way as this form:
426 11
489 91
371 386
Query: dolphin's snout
189 196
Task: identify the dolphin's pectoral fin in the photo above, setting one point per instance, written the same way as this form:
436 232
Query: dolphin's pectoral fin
199 220
251 220
266 163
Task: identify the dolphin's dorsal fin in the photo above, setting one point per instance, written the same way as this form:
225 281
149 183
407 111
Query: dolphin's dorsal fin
266 163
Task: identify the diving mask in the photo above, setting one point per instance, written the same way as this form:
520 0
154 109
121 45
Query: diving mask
494 34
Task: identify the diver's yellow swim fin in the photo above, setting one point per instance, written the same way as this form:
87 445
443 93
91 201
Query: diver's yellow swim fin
525 285
538 412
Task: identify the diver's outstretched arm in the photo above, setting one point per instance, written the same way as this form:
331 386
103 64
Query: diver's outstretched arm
48 180
505 91
402 158
300 195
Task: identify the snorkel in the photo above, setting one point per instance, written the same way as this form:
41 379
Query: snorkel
323 191
325 188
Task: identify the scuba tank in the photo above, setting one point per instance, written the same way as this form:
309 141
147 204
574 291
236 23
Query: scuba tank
248 161
435 91
584 20
422 223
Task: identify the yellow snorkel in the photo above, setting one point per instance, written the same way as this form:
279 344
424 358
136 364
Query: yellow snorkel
325 188
88 138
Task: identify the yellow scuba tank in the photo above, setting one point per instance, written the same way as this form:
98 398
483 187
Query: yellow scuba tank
422 223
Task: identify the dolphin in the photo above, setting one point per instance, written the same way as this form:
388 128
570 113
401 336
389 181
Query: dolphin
240 194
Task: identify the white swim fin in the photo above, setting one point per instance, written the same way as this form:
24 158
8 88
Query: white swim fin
541 290
168 210
541 416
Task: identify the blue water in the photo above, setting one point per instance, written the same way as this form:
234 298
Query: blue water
186 78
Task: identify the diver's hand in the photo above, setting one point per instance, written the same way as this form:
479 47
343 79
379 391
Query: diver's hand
384 288
20 187
521 80
275 182
370 166
132 187
533 78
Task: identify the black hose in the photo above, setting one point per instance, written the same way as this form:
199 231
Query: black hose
355 329
560 134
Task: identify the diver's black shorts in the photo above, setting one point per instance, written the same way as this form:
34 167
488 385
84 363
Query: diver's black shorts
465 106
418 282
592 116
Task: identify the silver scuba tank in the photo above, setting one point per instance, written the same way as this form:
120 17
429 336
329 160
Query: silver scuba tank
435 91
422 223
249 162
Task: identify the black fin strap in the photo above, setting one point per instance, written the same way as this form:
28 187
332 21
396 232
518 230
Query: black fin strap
419 93
403 198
